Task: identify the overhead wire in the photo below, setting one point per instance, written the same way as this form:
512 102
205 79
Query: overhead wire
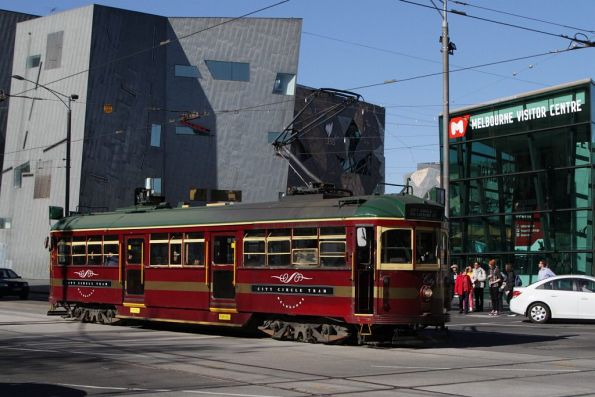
162 43
392 81
521 16
464 14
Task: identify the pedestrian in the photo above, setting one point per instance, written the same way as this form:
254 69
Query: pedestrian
454 271
469 272
544 271
463 289
495 282
478 278
508 286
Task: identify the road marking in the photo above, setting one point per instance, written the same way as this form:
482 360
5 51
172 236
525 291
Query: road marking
210 393
31 350
478 369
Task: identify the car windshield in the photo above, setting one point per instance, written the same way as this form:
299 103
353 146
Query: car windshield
7 273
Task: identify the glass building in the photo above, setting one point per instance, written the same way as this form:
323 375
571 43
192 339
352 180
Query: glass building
522 181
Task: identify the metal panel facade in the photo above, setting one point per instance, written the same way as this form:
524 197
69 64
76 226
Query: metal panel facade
34 129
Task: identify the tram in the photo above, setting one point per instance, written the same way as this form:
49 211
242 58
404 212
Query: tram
309 268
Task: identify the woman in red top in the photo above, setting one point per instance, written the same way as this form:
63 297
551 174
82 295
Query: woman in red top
463 288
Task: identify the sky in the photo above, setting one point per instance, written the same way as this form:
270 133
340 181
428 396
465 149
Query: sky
348 44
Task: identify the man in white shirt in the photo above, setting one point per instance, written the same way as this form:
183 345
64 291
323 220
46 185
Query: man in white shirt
478 278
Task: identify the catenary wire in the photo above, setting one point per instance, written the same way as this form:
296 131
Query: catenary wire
522 16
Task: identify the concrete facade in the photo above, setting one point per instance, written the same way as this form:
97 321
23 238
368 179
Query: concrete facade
8 22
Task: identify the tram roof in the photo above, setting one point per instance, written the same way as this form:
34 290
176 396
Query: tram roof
295 208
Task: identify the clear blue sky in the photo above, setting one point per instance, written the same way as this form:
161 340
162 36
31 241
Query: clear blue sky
336 51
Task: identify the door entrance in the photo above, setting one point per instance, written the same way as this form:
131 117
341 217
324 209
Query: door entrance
223 270
364 270
134 260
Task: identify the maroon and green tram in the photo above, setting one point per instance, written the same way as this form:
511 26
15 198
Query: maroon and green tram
305 268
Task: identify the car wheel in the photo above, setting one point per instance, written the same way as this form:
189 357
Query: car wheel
539 313
24 296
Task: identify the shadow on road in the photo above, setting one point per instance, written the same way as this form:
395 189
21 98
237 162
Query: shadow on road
38 390
470 338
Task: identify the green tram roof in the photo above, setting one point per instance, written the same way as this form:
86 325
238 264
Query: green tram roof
289 209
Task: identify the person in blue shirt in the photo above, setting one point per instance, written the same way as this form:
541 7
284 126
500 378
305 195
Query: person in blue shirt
544 271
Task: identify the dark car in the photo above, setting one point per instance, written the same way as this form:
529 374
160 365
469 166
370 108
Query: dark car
12 284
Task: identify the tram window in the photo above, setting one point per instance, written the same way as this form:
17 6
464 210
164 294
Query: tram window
158 249
254 253
426 246
135 251
279 232
194 252
332 231
64 251
175 249
279 253
305 243
306 231
111 251
79 251
158 253
255 233
223 250
194 236
396 246
94 254
332 253
305 257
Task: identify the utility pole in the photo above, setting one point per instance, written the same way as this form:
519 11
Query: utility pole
445 113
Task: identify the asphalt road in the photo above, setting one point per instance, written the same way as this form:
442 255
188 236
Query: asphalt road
479 356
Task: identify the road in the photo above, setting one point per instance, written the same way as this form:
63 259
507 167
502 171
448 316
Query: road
480 356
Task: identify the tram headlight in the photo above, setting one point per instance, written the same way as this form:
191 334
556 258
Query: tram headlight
426 292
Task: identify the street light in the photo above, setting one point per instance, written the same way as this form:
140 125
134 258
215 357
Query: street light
70 98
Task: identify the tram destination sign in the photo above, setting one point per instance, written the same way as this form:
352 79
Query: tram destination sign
423 212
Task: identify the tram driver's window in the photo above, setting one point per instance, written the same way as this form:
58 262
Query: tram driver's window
396 246
426 246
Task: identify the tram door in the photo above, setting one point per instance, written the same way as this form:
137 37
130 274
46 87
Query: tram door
134 260
223 270
364 270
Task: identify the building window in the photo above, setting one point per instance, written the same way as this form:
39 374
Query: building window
154 184
234 71
156 135
272 136
185 131
53 56
18 174
5 223
43 180
186 71
33 61
284 84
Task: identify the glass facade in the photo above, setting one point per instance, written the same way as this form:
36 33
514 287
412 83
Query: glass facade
521 181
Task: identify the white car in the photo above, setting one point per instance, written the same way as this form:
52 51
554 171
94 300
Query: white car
559 297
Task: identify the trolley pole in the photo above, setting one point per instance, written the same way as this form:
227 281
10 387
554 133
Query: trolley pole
444 180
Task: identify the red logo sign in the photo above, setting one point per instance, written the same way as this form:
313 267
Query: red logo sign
458 126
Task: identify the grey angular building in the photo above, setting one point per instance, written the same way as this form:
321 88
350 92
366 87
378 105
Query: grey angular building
182 106
8 22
